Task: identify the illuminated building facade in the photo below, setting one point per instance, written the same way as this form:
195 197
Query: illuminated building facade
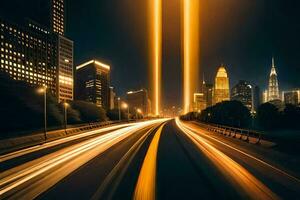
242 92
65 83
221 89
92 83
273 90
291 97
208 94
29 54
199 102
138 100
57 16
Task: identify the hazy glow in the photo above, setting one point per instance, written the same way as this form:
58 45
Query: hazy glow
156 51
190 51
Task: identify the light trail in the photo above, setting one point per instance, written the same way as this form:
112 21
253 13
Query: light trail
36 176
119 170
190 51
248 155
231 169
156 50
145 187
58 142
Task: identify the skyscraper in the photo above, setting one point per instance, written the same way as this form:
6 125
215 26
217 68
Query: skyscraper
273 89
221 89
242 92
92 83
57 16
291 97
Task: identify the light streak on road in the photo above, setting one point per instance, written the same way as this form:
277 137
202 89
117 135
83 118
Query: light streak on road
190 51
145 187
234 172
58 142
156 50
119 170
34 177
249 155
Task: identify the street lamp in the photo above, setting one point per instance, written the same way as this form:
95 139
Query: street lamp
119 108
43 90
125 106
66 105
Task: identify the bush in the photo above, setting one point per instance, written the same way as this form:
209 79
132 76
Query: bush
89 112
268 116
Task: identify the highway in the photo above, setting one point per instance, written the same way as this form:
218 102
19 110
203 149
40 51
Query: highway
157 159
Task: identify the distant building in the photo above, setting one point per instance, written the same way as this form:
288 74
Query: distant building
242 92
256 98
138 100
221 89
273 89
199 102
291 97
112 97
92 83
208 94
265 96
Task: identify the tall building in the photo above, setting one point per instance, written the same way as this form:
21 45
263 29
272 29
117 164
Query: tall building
265 96
49 13
242 92
199 102
208 94
257 98
29 54
221 89
92 83
273 89
65 69
57 16
291 97
138 100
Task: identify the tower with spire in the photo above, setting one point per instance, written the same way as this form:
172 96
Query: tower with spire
273 90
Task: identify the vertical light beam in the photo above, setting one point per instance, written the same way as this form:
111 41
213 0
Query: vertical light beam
156 51
190 51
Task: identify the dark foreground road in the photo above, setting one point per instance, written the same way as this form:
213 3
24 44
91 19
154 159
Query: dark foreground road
160 159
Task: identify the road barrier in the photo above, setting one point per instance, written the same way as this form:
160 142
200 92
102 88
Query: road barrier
239 133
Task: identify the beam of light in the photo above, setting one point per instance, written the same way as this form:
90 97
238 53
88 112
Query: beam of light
190 51
156 51
31 179
233 171
145 187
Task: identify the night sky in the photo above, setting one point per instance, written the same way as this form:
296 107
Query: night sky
242 34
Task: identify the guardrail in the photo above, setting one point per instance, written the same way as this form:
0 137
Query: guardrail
239 133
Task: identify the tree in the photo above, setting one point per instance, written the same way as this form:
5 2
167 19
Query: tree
114 114
268 116
291 116
89 112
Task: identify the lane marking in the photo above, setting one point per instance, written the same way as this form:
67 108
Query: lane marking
248 155
146 185
231 169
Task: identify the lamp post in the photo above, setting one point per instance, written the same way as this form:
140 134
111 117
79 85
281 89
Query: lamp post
66 105
125 106
119 106
44 91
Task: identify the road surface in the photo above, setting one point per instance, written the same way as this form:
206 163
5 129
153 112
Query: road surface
158 159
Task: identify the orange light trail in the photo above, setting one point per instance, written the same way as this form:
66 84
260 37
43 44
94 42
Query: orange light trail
233 171
156 51
145 187
190 51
